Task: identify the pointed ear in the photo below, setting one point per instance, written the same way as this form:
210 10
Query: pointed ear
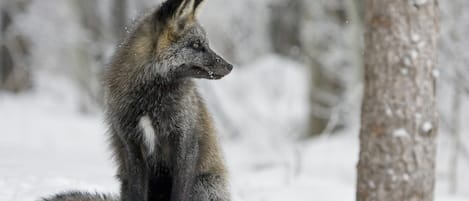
185 10
167 10
197 5
188 8
177 14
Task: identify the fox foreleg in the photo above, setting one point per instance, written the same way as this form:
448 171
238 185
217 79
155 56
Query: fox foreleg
186 154
135 182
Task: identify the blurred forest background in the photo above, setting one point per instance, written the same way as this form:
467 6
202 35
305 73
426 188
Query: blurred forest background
293 99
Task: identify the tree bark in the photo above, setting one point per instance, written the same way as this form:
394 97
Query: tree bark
399 116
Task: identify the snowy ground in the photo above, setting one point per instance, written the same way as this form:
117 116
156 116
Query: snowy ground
48 146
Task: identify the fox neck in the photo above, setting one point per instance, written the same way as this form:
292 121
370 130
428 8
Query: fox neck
161 86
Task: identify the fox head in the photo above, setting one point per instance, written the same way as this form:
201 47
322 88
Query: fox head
171 44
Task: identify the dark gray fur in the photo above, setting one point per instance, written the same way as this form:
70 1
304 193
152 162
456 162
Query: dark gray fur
80 196
151 75
145 80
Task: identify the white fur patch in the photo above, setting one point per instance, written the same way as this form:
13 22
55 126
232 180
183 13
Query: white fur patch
149 136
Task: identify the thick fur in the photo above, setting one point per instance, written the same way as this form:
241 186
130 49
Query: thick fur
151 77
79 196
150 91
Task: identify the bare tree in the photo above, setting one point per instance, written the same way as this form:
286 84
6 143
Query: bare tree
399 117
331 47
14 49
285 18
87 54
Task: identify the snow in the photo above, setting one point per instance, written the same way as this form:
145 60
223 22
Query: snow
270 97
401 132
436 73
427 127
418 117
404 71
415 37
405 177
414 54
407 61
48 146
388 111
420 2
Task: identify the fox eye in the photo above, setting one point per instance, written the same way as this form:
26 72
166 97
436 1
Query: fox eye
197 46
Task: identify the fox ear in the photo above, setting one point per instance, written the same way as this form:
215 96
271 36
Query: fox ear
197 5
178 13
185 10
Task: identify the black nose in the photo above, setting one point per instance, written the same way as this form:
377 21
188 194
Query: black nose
229 67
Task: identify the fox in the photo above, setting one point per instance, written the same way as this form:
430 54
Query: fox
162 136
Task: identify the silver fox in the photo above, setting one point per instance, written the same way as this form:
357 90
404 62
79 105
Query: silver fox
161 133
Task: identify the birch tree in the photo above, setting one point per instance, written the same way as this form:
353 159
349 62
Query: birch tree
399 118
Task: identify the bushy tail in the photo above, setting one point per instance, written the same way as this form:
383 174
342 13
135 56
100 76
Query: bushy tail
81 196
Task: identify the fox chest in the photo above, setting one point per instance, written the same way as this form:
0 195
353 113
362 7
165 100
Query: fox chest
158 120
156 136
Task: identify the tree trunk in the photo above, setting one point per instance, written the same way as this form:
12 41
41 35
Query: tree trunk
15 75
327 88
399 116
285 27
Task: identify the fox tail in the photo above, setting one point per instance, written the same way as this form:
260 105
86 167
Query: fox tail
81 196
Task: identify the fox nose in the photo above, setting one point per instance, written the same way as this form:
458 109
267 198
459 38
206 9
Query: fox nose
229 67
